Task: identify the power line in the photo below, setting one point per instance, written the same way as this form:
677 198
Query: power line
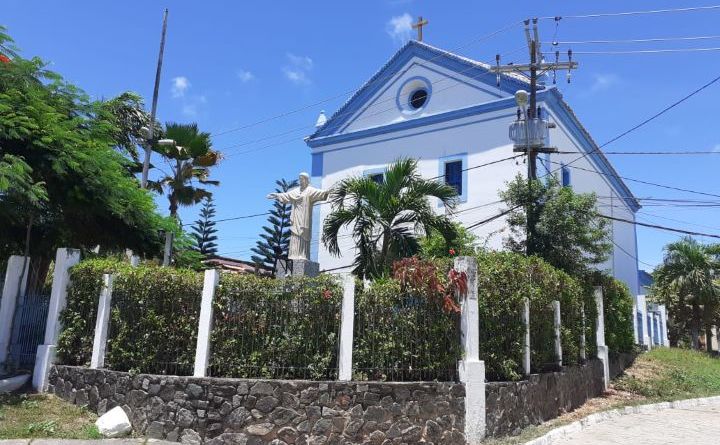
642 51
367 116
659 227
679 153
637 180
620 41
355 90
628 13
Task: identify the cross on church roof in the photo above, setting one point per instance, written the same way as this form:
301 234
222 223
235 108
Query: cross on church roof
419 26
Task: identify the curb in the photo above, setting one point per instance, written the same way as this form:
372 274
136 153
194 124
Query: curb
593 419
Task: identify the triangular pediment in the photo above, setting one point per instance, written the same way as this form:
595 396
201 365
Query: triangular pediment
418 81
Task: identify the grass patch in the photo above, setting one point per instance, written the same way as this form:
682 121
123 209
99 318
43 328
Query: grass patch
44 416
661 375
667 374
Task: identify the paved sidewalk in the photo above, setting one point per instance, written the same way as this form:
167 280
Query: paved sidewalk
694 425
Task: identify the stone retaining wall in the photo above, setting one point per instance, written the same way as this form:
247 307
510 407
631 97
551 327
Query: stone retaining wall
620 361
512 406
241 411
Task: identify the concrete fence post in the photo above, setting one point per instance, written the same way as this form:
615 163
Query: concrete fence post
13 284
64 260
102 323
202 348
636 338
558 333
583 340
663 331
526 337
347 326
471 369
602 349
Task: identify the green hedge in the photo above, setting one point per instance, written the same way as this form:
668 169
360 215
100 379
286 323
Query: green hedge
153 320
618 304
403 337
504 280
276 328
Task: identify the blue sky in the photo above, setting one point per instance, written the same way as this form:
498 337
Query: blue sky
229 64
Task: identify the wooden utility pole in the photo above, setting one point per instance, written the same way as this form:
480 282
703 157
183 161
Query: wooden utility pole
151 129
533 126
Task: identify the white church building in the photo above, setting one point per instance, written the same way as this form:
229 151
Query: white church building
448 112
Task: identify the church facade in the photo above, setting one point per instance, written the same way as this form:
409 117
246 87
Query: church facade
449 113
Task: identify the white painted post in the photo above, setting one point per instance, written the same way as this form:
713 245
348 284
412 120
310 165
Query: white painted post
602 349
664 332
347 326
634 320
583 341
102 322
13 283
642 306
64 260
202 348
558 333
471 369
526 337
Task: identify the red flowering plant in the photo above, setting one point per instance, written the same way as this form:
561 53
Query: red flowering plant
423 277
4 58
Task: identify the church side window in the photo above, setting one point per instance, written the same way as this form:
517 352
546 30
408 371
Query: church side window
453 175
565 176
378 178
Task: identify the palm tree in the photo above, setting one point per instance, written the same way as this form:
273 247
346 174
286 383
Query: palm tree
386 216
190 159
688 279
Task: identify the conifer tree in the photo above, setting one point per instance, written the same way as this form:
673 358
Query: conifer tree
275 240
203 230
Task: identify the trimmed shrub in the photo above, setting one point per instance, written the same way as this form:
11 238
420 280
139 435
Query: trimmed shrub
618 305
505 279
78 318
153 319
276 328
402 334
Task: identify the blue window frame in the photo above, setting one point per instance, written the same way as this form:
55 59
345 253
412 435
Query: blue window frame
453 175
453 170
565 176
376 174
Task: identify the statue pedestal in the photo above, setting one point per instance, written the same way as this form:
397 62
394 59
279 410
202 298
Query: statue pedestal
297 268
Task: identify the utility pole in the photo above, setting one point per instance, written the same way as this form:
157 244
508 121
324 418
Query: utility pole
151 130
530 133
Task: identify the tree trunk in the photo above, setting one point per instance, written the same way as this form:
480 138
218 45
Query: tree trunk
173 207
695 329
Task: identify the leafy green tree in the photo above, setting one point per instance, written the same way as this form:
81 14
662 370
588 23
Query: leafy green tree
275 240
686 282
190 161
436 246
568 233
386 218
203 231
73 187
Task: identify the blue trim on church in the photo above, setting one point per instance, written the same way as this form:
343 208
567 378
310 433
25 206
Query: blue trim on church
452 62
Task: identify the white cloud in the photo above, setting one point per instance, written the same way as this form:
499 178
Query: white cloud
180 85
245 76
602 82
189 110
298 68
400 28
303 62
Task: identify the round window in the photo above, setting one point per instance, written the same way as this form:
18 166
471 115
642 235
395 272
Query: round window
418 98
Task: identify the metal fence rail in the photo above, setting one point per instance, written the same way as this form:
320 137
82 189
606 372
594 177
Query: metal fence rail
28 329
407 338
501 339
290 331
153 331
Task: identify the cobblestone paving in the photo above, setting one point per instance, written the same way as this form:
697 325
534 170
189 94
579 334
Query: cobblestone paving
694 426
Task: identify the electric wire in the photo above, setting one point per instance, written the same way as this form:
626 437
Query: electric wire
629 13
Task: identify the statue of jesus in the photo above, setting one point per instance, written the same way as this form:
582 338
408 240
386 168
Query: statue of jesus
302 199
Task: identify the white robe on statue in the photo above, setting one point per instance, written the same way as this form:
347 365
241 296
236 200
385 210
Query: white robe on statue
301 218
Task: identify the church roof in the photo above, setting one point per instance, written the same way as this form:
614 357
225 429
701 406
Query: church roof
472 68
510 83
